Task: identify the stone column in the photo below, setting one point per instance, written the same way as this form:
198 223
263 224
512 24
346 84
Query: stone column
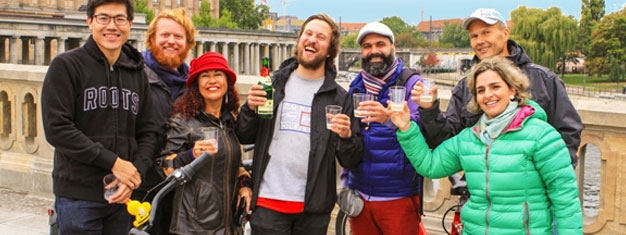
25 50
257 59
236 57
246 58
199 49
13 49
225 53
276 59
212 46
39 50
61 45
284 50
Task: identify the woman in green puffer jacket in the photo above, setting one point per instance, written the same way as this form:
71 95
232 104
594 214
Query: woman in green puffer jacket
517 166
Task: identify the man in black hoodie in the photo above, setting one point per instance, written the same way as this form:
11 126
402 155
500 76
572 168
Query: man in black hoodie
489 37
95 104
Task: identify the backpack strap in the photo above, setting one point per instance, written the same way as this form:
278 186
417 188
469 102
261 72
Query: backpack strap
405 75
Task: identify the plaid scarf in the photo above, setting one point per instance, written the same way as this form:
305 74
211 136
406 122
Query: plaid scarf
373 85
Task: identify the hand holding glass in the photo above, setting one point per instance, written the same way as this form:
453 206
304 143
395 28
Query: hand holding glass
331 111
110 186
211 135
397 94
427 95
357 98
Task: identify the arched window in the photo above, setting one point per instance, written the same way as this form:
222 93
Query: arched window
29 118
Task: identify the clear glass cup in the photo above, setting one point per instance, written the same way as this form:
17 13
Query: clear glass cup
397 95
357 98
109 191
211 134
427 95
331 111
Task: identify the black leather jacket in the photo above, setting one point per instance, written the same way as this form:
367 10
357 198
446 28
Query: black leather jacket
546 88
205 204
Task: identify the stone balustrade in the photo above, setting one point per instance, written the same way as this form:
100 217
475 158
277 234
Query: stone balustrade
26 158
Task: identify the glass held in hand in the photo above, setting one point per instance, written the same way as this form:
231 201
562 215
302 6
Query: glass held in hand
357 98
427 95
397 95
110 186
331 111
211 134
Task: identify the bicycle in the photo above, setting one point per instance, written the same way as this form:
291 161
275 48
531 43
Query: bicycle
456 227
342 224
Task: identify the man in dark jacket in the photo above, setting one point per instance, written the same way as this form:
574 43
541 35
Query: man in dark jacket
169 38
95 109
385 179
294 170
489 36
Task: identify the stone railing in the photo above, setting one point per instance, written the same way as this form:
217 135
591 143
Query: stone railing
26 158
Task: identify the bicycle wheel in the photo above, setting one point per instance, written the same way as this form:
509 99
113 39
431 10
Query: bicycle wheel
342 224
447 218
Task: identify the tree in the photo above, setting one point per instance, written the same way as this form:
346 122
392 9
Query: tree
615 70
204 19
545 34
245 13
429 61
397 25
454 36
141 6
591 12
349 41
607 40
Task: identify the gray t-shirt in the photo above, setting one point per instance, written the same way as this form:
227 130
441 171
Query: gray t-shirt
286 173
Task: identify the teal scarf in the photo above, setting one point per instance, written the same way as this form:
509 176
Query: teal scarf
489 130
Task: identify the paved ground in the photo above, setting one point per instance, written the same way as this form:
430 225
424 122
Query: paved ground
22 214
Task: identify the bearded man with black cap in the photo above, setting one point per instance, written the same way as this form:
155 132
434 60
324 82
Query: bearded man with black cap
385 180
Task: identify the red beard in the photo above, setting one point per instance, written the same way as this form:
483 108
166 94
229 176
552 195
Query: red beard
168 60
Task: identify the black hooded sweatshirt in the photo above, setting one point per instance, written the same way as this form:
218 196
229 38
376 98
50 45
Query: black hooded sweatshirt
94 112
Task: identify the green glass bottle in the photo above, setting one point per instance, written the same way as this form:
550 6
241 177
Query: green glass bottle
267 110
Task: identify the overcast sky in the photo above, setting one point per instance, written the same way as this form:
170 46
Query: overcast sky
411 10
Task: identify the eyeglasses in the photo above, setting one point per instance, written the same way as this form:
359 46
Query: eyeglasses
104 19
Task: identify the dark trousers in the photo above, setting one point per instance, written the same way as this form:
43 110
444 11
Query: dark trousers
269 222
91 218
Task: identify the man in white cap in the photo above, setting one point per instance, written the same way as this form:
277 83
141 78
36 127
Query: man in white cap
385 180
489 37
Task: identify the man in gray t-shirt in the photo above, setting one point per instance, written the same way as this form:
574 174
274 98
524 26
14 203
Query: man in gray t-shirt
294 168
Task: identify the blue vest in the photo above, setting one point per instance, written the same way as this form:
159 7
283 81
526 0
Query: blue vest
384 171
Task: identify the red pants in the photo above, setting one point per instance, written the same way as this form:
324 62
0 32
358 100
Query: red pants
400 216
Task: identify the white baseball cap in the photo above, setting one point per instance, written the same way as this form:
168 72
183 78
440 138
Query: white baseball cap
488 15
377 28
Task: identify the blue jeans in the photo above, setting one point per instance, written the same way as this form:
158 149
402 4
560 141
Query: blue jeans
92 218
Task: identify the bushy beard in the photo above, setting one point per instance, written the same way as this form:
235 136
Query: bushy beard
377 69
168 60
313 64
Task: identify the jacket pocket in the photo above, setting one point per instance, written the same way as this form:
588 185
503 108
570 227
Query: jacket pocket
207 206
526 218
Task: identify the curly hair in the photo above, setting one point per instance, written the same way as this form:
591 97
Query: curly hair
179 15
333 47
192 101
511 74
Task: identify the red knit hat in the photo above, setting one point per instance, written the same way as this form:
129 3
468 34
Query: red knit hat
209 61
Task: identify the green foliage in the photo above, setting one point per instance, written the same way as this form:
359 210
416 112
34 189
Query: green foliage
141 6
349 41
204 19
397 25
245 13
616 72
454 36
608 40
406 35
591 12
545 34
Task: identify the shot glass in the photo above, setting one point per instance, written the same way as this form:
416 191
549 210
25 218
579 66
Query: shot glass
331 111
357 98
110 191
427 95
211 134
397 94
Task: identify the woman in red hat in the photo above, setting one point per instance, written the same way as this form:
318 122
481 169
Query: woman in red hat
205 204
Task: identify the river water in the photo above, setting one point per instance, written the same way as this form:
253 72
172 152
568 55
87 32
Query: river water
591 178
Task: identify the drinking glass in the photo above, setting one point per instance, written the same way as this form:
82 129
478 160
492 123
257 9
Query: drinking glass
397 94
331 111
358 98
